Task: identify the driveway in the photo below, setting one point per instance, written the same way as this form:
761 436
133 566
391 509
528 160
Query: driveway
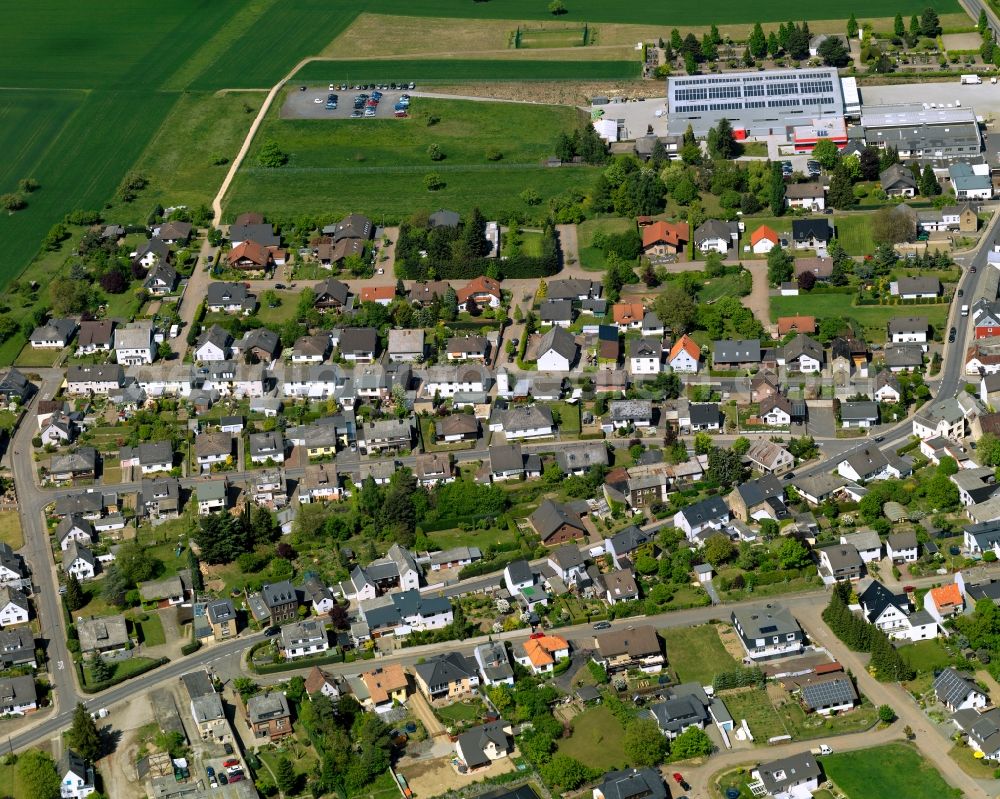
569 244
418 705
822 423
758 300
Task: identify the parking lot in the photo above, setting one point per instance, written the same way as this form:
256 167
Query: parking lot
311 103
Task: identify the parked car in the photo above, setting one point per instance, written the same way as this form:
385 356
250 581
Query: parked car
960 292
369 112
223 779
356 114
237 777
230 762
603 625
210 771
318 101
302 88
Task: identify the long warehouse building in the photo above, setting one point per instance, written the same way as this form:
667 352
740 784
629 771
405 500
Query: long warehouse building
760 103
938 136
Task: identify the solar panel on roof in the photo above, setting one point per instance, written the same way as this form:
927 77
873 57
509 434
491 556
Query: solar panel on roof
769 629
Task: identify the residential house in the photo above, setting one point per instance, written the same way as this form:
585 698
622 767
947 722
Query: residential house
903 357
556 312
645 356
269 716
406 346
482 291
102 635
944 602
829 696
704 416
424 293
898 181
959 691
161 280
629 413
320 483
95 336
79 465
763 498
523 421
914 288
608 348
557 350
74 529
454 558
624 543
840 562
556 523
494 666
150 456
267 447
630 648
222 619
908 330
861 414
870 463
794 777
331 294
304 638
770 457
767 631
684 355
213 496
251 256
382 688
809 196
661 239
54 334
686 706
628 315
776 410
480 746
811 234
311 349
709 515
386 434
278 603
320 682
797 324
508 462
358 344
891 613
962 218
213 345
947 418
541 654
251 227
18 696
134 343
620 586
456 427
902 547
213 449
260 344
970 183
982 729
714 235
887 388
99 379
636 783
447 677
79 561
76 778
380 295
867 544
736 354
803 354
467 348
763 240
159 499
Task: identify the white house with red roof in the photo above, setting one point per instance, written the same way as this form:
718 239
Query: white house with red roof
763 240
684 355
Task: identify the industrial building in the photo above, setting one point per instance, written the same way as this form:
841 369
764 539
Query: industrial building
758 103
938 136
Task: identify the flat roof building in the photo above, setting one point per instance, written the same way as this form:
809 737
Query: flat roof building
935 135
757 103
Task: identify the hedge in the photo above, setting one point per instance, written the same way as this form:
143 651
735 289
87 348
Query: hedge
486 566
190 648
298 663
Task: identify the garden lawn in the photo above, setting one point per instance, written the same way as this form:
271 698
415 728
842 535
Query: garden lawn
925 656
457 70
873 318
10 529
596 740
17 787
865 773
696 653
384 787
803 726
121 669
569 417
150 631
447 539
854 232
461 711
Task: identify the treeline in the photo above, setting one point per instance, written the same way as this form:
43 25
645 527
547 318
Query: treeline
886 663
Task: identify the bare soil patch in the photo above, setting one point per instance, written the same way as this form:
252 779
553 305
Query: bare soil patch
554 92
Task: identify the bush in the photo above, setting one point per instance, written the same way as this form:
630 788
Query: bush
191 648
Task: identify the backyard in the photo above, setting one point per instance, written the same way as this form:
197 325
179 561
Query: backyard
10 529
596 739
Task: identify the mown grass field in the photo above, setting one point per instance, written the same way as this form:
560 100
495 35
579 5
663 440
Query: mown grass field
672 14
379 164
866 773
696 653
430 69
596 739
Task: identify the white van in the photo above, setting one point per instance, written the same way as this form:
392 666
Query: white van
965 310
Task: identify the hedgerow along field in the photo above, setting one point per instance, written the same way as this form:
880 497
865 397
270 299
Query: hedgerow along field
378 165
392 70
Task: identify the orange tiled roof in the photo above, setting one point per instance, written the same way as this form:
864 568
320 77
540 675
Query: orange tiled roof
672 233
251 250
763 232
540 650
479 285
382 682
946 595
373 293
628 312
687 344
800 324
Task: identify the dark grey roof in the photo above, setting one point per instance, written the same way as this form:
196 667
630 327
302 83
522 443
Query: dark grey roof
875 598
952 687
679 712
559 340
216 335
897 176
519 571
474 742
404 604
260 338
715 229
706 510
582 457
788 771
445 669
226 294
704 413
506 458
803 345
568 556
908 324
358 340
629 540
641 783
556 311
630 410
806 229
275 594
443 218
573 289
904 540
262 233
331 289
854 411
550 516
757 491
765 620
746 351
